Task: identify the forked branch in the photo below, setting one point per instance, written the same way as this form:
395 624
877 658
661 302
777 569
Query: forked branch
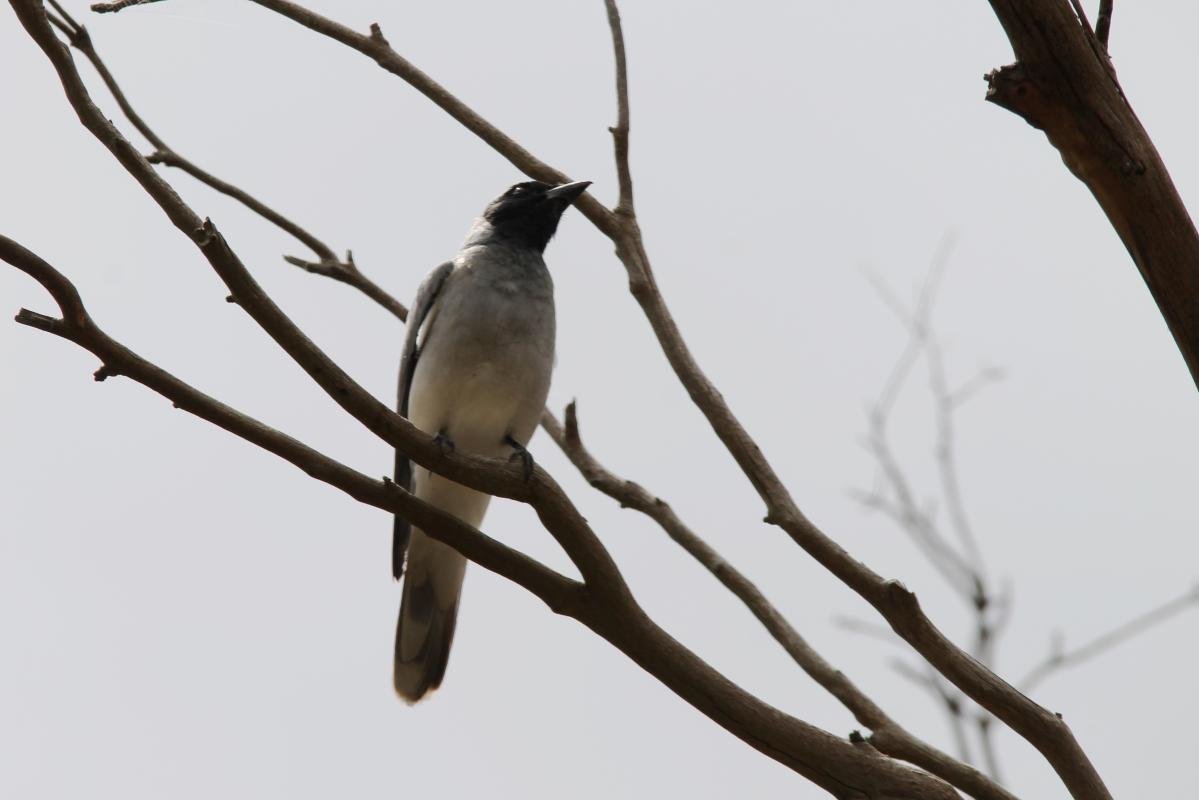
327 263
886 734
75 325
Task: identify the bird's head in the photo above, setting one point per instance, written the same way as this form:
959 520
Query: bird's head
528 212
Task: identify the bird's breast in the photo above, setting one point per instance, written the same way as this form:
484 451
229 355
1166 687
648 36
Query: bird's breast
484 370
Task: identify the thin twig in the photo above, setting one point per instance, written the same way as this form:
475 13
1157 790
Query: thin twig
1103 22
922 340
327 263
947 468
949 698
105 8
1081 13
1060 658
915 522
347 272
963 574
871 629
620 133
375 46
984 723
973 385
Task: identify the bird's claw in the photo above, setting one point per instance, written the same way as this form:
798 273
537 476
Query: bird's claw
526 458
444 442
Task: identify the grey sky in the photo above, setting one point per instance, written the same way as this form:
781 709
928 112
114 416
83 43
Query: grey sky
186 616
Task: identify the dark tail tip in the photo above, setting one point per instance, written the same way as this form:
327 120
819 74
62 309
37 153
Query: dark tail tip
423 670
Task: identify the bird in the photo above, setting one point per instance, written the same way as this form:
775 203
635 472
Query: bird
474 373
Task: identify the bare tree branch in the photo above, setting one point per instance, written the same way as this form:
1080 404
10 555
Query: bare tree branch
911 518
946 457
975 384
327 263
104 8
887 736
1103 22
558 592
1064 84
989 613
964 573
620 133
347 272
984 723
375 46
1059 658
1045 730
875 631
948 696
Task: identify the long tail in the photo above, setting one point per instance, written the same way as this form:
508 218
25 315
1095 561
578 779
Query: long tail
428 613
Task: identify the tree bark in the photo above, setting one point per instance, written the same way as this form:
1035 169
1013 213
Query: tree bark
1063 83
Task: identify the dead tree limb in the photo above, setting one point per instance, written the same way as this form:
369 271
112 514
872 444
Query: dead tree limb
1064 84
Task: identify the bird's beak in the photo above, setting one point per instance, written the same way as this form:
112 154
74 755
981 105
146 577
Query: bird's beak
567 192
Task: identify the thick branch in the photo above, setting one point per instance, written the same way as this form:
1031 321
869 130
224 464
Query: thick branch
558 592
888 736
1063 83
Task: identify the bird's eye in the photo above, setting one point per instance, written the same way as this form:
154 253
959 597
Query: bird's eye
518 190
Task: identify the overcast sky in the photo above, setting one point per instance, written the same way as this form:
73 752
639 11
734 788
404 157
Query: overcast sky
185 616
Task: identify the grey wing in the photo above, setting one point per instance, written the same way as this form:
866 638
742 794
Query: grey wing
418 316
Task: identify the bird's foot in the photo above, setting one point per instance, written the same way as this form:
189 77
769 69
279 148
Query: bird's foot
526 458
444 442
